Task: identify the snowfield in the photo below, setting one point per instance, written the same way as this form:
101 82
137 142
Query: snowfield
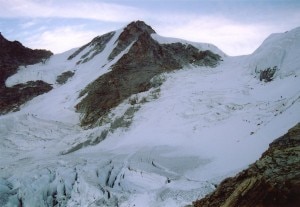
200 126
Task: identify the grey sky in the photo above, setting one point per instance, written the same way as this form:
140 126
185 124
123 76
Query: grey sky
236 26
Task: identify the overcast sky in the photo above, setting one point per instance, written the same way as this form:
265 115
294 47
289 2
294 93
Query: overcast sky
236 26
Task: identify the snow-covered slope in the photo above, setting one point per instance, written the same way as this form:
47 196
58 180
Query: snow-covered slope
201 125
278 50
58 104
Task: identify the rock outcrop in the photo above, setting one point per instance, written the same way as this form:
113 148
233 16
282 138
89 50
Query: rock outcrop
272 181
12 55
267 75
132 73
64 77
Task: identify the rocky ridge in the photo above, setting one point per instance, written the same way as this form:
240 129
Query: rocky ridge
273 180
133 72
12 55
97 45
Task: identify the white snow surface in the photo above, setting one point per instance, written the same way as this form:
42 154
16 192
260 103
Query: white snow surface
200 126
278 50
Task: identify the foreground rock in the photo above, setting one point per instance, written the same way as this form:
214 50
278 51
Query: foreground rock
273 180
12 55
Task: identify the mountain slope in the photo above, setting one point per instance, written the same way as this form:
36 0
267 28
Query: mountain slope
174 125
278 51
273 180
13 55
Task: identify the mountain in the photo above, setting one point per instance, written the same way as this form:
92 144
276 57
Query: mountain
12 56
131 74
136 119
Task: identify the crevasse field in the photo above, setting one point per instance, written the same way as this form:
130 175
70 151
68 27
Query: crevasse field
200 126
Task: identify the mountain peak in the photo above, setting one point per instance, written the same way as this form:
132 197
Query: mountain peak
139 26
132 73
130 33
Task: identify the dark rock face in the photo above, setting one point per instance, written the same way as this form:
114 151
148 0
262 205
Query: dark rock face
131 33
188 54
12 98
134 70
272 181
13 55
